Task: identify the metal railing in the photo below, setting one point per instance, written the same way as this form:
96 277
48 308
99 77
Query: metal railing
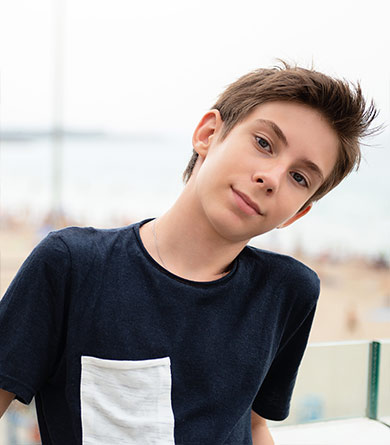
342 380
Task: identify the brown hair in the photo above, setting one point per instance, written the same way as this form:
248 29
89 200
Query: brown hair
340 102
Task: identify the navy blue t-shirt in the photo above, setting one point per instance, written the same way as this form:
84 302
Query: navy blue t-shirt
116 349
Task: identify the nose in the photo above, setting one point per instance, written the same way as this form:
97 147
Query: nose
261 181
268 181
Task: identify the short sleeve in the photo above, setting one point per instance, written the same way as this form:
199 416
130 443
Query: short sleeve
31 319
273 399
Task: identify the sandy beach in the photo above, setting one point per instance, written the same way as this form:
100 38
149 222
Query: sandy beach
355 293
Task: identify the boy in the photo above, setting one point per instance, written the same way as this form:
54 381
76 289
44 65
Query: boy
173 330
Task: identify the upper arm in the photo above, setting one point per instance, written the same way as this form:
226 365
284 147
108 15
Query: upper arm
5 400
35 302
260 432
257 420
274 395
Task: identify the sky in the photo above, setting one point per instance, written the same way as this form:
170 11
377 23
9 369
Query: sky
156 66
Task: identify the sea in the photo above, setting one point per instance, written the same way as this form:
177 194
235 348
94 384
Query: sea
105 180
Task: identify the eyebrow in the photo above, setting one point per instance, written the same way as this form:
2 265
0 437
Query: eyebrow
314 168
279 133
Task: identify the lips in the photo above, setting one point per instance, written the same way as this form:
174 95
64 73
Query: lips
245 203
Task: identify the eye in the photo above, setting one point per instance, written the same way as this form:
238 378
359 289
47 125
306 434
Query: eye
264 144
301 180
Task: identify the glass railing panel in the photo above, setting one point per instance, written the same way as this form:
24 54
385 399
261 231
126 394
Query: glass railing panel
384 383
331 383
19 425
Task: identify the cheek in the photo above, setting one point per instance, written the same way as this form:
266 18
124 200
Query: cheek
288 206
215 168
207 180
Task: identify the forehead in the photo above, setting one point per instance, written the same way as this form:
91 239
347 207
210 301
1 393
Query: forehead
289 111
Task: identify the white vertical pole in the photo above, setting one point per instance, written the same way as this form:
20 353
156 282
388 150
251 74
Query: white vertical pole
57 109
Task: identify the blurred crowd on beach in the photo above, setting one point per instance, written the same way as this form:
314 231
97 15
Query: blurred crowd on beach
355 290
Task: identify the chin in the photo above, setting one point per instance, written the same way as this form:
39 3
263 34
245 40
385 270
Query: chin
236 230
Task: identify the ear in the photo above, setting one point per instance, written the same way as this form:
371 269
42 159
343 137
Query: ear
297 216
207 129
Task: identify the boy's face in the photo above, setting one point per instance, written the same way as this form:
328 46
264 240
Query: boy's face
265 169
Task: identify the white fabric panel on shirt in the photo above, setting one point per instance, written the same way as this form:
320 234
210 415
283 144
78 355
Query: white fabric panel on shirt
126 401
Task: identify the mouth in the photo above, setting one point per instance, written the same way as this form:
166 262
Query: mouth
246 204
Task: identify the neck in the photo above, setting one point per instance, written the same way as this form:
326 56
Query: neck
186 244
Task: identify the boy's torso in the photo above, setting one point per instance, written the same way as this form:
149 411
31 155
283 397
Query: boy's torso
146 357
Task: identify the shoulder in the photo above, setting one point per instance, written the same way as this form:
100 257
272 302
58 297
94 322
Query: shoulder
282 264
84 238
286 272
86 234
81 246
